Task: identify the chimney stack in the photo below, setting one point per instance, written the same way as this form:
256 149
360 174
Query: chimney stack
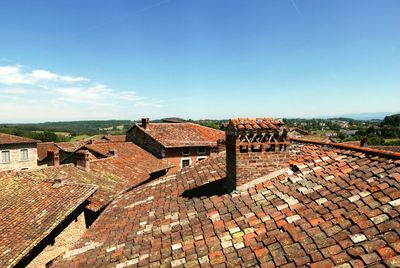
83 159
254 148
53 157
145 122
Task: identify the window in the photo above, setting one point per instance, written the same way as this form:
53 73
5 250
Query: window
185 162
185 151
201 150
201 158
24 155
5 156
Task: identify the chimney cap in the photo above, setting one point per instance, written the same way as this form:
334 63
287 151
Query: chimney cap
264 124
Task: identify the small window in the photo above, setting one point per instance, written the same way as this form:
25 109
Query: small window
5 156
185 151
185 162
201 150
24 155
201 158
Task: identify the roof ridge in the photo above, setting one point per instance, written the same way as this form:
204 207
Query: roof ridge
366 150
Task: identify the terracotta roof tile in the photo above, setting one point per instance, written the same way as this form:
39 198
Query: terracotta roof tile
70 146
183 134
30 210
130 167
257 124
11 139
334 201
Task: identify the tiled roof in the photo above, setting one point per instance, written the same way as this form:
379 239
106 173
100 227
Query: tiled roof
11 139
183 134
338 206
131 166
114 138
387 148
70 146
257 124
30 210
303 131
131 161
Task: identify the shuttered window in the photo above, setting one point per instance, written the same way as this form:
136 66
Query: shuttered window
24 155
5 156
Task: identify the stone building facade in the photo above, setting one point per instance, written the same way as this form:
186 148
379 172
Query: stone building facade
17 153
64 240
182 144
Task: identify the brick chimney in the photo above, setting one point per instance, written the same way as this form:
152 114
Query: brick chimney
254 148
145 122
53 157
83 159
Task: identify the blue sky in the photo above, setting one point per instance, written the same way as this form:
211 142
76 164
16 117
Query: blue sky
72 60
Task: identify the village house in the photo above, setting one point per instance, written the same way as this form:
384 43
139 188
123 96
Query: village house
54 153
269 201
39 219
297 133
17 153
182 144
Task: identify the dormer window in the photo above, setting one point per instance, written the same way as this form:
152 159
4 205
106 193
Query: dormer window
185 152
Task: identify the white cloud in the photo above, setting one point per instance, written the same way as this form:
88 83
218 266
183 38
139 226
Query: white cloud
11 75
42 75
16 75
63 97
98 94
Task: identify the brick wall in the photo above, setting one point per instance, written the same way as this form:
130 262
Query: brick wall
15 157
175 156
254 164
246 161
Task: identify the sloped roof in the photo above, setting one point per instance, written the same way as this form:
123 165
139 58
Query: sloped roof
114 138
131 166
183 134
130 161
30 210
299 130
70 146
336 206
12 139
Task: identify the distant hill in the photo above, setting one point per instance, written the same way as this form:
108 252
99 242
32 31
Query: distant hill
362 116
91 127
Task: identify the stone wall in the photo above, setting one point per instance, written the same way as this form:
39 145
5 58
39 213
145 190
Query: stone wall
62 242
143 140
15 157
